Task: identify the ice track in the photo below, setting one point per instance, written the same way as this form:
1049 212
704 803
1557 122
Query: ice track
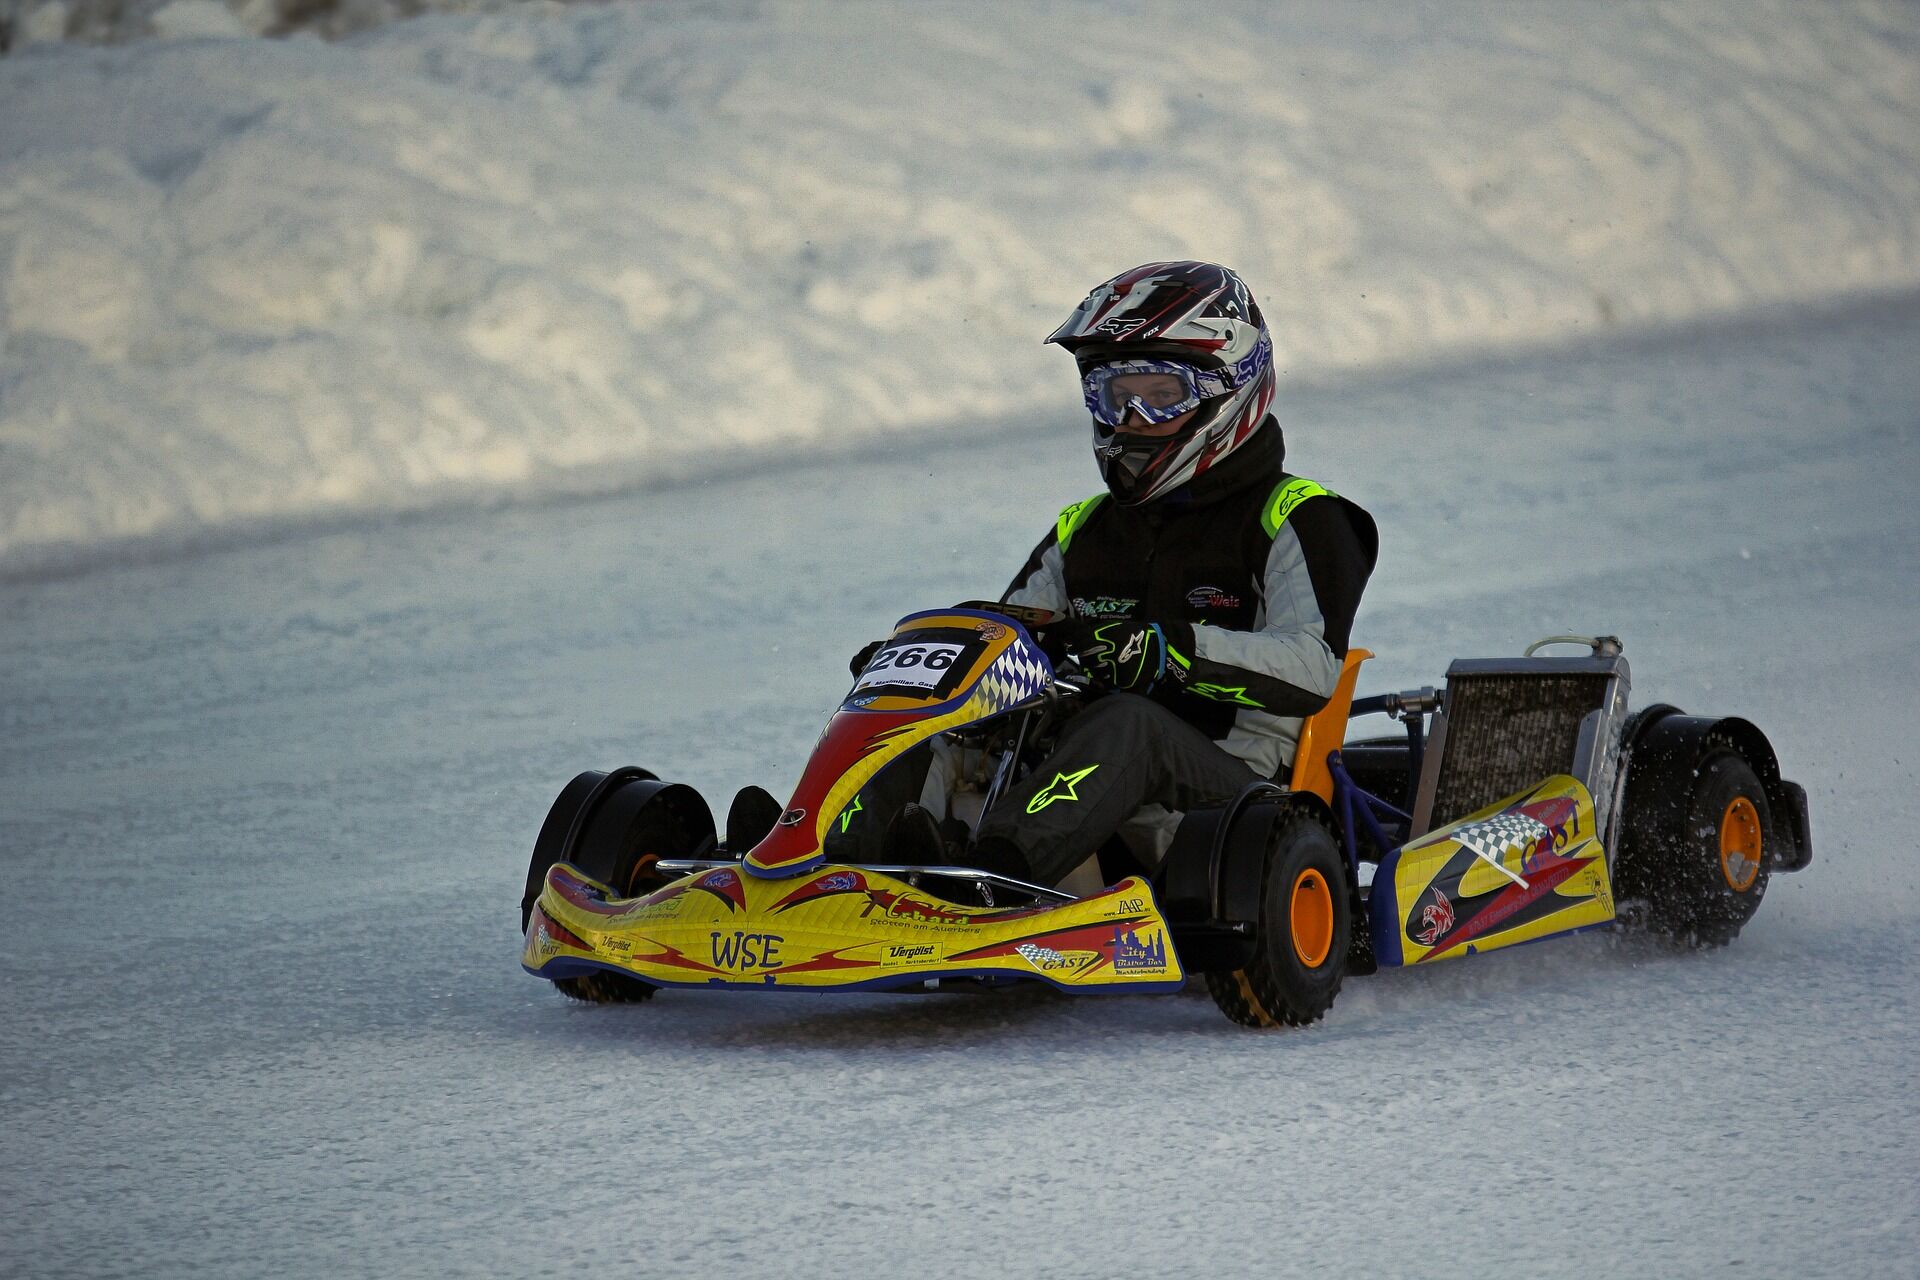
263 816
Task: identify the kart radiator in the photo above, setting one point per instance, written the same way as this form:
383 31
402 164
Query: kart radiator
1506 723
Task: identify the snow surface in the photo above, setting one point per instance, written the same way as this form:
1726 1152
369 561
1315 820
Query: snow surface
266 815
247 285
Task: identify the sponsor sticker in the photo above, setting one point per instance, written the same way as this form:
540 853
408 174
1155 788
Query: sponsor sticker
901 906
1042 958
670 905
1436 918
1134 954
743 951
1212 598
1105 606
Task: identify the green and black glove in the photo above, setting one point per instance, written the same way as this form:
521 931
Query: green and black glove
1136 656
858 663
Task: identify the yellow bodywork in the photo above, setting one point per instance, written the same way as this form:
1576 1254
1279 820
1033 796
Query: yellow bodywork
870 732
1528 867
843 927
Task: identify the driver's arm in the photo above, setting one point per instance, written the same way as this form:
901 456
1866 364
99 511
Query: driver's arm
1042 584
1310 589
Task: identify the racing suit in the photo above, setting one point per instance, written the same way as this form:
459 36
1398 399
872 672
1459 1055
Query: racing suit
1268 569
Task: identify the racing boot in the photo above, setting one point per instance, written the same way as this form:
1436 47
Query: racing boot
916 839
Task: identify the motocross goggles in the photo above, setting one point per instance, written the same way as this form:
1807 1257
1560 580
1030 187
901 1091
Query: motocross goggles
1161 390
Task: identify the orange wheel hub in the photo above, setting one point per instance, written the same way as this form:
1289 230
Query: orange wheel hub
1740 844
1310 918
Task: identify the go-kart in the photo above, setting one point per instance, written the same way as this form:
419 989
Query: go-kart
1522 801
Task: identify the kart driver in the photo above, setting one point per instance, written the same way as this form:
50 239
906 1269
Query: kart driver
1207 589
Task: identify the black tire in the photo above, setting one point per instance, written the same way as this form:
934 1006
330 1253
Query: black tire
627 826
621 855
1701 879
575 808
1305 931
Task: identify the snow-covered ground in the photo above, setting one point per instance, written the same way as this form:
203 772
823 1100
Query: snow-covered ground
266 813
249 284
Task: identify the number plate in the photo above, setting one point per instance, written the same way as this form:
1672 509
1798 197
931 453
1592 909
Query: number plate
911 664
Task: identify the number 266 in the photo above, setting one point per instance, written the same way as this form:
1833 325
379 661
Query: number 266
912 656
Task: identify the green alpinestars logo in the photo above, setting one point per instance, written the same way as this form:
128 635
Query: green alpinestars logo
1237 695
846 814
1061 788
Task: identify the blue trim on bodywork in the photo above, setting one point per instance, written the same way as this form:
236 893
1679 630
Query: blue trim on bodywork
573 967
787 872
1383 914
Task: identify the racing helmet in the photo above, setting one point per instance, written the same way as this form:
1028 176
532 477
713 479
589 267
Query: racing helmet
1159 341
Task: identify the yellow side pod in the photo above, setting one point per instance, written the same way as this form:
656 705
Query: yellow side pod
1528 867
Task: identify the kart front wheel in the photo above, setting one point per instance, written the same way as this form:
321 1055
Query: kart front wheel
615 827
1305 930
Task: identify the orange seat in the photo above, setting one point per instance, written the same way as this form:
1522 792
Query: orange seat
1325 730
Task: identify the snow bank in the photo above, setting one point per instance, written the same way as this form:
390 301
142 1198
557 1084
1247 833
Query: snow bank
29 22
247 283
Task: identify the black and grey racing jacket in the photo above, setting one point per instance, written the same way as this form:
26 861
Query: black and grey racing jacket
1266 567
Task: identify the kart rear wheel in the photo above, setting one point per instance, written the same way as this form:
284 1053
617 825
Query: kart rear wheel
1702 879
1305 931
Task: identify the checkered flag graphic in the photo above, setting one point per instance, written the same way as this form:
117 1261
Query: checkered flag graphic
1014 677
1501 834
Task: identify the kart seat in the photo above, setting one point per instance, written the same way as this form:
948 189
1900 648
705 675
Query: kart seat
1322 732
